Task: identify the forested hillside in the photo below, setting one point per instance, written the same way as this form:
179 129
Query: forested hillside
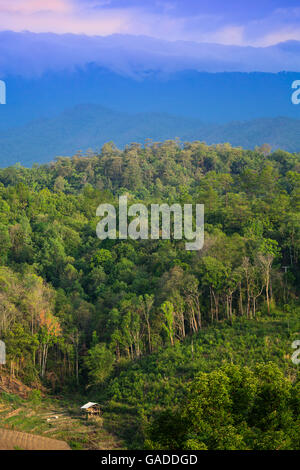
136 322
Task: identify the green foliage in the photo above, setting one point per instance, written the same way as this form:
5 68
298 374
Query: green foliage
99 362
231 408
138 320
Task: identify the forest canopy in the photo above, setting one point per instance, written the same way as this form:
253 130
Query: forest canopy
78 312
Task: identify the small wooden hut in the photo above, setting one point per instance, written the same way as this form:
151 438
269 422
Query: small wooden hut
91 410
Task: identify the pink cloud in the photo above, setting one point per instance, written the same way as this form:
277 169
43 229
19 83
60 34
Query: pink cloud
35 6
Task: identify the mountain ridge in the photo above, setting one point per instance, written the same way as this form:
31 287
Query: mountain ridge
24 53
89 126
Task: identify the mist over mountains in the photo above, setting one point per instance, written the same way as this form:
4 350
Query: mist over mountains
47 73
138 87
90 126
32 54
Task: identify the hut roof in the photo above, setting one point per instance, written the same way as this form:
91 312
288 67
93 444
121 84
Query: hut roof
90 404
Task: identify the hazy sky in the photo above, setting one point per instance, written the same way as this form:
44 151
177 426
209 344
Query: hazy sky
238 22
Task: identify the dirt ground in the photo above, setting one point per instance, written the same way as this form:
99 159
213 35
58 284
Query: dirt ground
12 385
48 424
15 440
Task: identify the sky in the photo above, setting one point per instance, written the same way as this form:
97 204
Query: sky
258 23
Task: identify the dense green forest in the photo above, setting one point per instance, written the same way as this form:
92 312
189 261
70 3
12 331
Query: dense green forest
198 343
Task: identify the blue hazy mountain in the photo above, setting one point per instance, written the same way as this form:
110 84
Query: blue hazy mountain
47 73
138 88
31 54
90 126
211 97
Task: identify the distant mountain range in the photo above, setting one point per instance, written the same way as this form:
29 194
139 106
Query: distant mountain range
90 126
210 97
47 73
139 88
32 54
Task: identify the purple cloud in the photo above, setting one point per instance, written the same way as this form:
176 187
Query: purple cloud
256 23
